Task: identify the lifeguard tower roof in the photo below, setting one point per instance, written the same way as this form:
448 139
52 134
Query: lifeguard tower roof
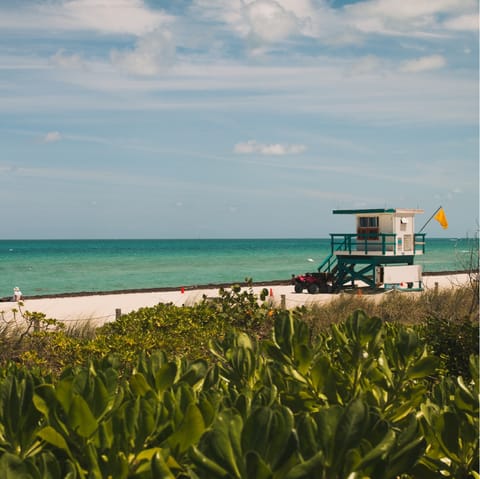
377 211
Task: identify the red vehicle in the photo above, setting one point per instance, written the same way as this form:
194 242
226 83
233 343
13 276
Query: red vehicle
314 282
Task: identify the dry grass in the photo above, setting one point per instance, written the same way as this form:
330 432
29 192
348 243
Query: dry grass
455 304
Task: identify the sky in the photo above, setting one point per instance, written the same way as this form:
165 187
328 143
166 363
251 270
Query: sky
235 118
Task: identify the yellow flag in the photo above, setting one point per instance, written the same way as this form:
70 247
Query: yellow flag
441 218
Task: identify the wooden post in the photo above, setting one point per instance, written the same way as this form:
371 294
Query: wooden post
283 302
118 313
436 287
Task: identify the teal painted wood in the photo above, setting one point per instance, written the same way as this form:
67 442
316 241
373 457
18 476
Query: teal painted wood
364 211
386 244
364 256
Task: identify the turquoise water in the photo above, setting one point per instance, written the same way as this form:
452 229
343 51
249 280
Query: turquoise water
64 266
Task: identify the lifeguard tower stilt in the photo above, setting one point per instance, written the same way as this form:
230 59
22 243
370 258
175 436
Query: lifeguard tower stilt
380 253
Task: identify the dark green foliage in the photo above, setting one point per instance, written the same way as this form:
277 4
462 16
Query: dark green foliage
184 331
364 400
454 340
253 392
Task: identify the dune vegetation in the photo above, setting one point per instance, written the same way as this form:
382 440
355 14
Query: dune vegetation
235 388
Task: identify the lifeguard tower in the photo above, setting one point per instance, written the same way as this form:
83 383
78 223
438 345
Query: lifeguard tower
380 253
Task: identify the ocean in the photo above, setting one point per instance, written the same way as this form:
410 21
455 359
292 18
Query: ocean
44 267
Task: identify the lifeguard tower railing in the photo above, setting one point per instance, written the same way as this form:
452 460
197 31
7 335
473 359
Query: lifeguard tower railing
373 243
368 244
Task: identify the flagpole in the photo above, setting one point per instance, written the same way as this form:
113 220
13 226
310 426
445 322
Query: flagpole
430 219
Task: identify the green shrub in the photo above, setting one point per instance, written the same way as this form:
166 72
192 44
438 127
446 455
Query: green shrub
446 318
363 399
454 340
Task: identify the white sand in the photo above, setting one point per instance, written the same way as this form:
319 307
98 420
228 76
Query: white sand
98 309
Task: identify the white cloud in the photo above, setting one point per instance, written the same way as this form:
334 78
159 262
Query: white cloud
407 17
268 21
111 16
409 9
252 146
105 16
366 65
153 53
326 89
64 60
260 21
52 137
467 22
432 62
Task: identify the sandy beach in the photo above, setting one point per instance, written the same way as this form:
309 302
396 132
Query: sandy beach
101 308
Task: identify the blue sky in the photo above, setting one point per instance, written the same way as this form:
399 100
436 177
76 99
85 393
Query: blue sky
235 118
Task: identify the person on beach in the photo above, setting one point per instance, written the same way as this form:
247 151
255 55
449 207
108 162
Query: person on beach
17 294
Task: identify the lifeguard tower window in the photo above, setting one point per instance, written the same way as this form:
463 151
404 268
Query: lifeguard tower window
367 228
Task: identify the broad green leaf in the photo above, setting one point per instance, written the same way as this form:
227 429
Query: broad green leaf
307 435
303 356
195 372
50 435
465 402
379 451
403 459
398 412
256 466
64 392
101 400
243 340
243 363
423 367
408 345
105 433
41 404
448 433
13 467
323 378
147 454
242 405
275 353
474 365
81 418
11 405
350 461
224 442
189 431
257 430
283 333
92 465
339 336
314 465
409 433
159 467
362 328
350 429
139 384
49 466
165 376
267 431
327 420
207 403
144 463
205 463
